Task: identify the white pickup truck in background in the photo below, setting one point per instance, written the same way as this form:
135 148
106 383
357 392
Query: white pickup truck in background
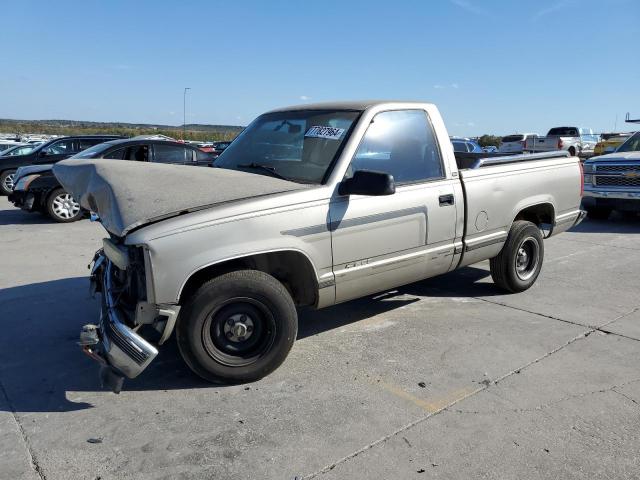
575 140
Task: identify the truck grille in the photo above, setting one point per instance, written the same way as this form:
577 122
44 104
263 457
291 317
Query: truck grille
617 168
617 181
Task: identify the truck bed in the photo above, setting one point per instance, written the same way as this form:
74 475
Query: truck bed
497 188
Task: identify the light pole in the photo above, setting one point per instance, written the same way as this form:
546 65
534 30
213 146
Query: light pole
184 113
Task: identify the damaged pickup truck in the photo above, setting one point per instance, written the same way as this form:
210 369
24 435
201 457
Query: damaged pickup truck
310 205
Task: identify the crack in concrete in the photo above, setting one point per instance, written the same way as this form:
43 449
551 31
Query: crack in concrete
424 418
592 328
633 400
32 457
554 403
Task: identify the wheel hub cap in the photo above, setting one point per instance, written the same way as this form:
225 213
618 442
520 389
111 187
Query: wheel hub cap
65 206
8 181
527 258
238 328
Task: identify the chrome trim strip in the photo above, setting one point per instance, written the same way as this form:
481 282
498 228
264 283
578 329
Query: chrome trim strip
396 259
485 240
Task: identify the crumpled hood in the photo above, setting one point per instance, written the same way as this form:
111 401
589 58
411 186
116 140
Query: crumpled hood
127 195
617 157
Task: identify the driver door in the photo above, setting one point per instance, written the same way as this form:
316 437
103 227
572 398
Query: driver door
387 241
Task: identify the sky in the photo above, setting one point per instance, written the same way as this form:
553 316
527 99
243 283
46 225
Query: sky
491 66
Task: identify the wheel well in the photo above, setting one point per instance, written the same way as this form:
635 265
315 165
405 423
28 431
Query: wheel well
540 214
293 269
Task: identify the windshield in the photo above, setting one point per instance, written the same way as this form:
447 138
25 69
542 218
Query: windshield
631 145
296 145
512 138
20 150
93 152
563 132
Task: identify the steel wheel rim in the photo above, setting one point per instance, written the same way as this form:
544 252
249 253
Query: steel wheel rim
527 258
238 332
64 206
8 181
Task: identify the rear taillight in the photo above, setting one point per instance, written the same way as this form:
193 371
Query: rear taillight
559 144
581 179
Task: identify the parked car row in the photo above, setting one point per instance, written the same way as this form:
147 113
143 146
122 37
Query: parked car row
28 179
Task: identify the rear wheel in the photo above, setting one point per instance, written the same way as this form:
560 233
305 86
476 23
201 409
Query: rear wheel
6 181
599 213
517 266
238 327
572 151
62 207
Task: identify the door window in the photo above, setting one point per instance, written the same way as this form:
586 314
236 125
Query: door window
116 154
170 154
85 143
401 143
137 153
62 147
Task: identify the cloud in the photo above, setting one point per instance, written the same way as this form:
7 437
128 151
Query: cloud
172 113
469 7
471 124
305 97
550 9
438 86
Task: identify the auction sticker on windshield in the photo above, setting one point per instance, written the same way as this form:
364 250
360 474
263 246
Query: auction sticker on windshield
331 133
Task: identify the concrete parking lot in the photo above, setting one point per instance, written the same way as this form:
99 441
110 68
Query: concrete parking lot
446 378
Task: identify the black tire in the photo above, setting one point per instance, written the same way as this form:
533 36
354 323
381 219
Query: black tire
57 213
264 325
6 182
599 213
518 264
572 151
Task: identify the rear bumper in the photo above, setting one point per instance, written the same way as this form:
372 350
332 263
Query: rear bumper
114 344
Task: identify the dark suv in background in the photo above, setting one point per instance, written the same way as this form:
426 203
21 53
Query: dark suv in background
37 189
50 152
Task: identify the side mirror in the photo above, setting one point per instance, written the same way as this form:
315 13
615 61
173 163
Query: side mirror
367 182
44 153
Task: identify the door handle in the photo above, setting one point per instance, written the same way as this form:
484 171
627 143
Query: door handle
446 200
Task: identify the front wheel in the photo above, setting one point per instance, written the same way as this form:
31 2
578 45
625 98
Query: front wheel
62 207
518 264
6 181
238 327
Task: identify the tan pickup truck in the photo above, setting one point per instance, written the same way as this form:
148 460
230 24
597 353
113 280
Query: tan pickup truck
311 205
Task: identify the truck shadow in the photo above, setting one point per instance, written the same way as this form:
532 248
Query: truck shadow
42 368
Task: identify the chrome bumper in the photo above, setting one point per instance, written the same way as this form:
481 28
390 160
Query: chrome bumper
117 347
612 194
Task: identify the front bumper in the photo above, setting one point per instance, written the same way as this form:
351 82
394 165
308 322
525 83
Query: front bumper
611 194
23 199
116 346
